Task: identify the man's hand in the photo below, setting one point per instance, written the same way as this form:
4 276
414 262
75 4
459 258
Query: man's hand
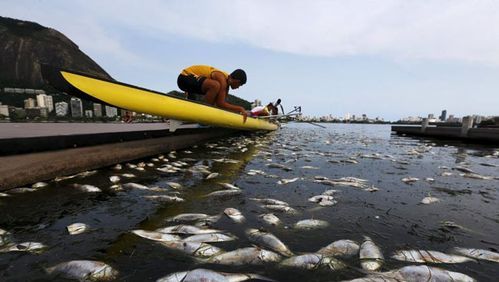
245 115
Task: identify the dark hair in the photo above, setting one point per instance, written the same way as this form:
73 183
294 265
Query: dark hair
240 75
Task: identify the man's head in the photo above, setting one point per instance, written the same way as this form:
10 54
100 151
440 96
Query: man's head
272 109
237 78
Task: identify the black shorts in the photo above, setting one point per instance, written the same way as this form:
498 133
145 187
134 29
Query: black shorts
191 84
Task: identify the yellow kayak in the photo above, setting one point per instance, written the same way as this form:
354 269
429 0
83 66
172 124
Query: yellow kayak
142 100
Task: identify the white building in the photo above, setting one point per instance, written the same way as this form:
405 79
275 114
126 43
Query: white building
347 116
61 109
29 103
45 101
89 114
4 110
111 111
97 110
76 107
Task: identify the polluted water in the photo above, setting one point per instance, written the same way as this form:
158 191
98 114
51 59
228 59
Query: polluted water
340 203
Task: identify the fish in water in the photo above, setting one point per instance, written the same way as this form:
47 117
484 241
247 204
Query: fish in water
212 175
428 256
156 236
429 200
132 185
340 248
463 169
197 249
186 229
269 201
185 217
201 274
416 273
88 188
370 255
246 256
476 176
224 193
30 247
39 185
268 240
286 181
77 228
235 215
174 185
128 175
477 254
409 180
84 270
323 200
309 167
21 190
164 198
114 179
270 219
280 208
311 224
312 261
117 167
210 238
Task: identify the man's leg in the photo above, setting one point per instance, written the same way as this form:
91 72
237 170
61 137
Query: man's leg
211 88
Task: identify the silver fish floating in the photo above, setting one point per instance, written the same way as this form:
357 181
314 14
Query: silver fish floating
268 240
235 215
114 179
77 228
416 273
280 208
311 224
229 186
210 238
197 249
156 236
409 180
313 261
344 248
428 256
29 247
224 193
287 181
429 200
164 198
174 185
270 219
246 256
370 255
186 229
88 188
477 254
84 270
269 201
212 175
39 185
185 217
201 274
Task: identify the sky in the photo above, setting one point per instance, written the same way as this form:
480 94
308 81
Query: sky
383 58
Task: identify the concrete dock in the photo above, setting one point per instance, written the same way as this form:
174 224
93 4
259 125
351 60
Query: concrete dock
32 152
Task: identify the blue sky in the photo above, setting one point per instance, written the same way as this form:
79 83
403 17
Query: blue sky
386 58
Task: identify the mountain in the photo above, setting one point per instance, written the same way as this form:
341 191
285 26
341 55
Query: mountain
24 45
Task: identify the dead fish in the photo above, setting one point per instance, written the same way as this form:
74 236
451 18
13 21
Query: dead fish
114 179
174 185
340 248
268 240
323 200
209 221
196 249
309 167
371 189
429 179
477 254
128 175
84 270
21 190
270 219
280 208
235 215
201 274
4 195
330 192
212 175
210 238
312 261
30 247
318 177
286 181
370 255
429 200
409 180
428 256
229 186
156 236
416 273
350 161
88 188
187 217
311 224
270 201
186 229
77 228
39 185
246 256
476 176
131 165
132 185
446 173
87 173
164 198
224 193
117 167
463 169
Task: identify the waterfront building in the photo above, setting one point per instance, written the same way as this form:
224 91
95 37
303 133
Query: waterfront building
4 110
347 116
89 114
36 112
443 116
111 111
97 110
76 107
29 103
61 109
44 101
